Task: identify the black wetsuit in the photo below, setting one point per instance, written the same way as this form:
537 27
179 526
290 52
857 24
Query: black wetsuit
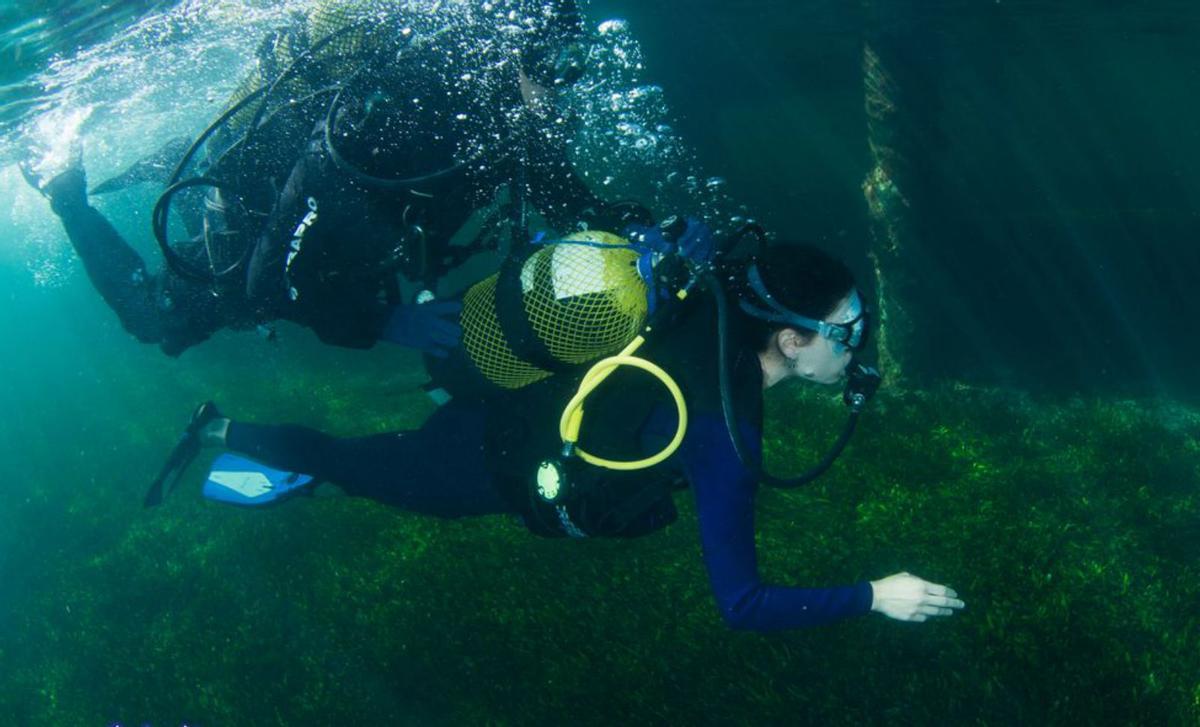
326 256
477 457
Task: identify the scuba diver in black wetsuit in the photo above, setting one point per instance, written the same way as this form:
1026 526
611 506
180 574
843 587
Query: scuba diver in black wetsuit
354 153
792 312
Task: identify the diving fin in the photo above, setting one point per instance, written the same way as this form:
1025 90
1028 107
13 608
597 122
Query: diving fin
182 454
155 167
239 480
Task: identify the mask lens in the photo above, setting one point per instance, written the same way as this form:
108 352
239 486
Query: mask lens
859 332
856 336
856 329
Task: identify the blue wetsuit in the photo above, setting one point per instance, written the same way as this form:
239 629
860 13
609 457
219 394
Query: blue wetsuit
444 469
724 492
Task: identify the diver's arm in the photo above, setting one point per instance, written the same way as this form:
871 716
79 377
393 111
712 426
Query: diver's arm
724 491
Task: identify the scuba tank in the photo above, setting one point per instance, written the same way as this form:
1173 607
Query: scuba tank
553 306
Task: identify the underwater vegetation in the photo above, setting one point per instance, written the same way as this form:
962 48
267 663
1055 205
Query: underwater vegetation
1069 527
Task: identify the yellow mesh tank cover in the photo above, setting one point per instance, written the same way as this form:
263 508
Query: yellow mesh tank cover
582 296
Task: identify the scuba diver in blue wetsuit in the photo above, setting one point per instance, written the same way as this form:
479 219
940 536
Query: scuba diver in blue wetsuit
366 137
501 446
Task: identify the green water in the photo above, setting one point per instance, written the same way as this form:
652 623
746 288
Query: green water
1049 473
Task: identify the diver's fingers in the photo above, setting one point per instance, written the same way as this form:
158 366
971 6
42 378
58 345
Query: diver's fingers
935 611
935 589
944 602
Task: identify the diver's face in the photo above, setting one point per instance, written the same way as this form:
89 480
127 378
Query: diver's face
819 359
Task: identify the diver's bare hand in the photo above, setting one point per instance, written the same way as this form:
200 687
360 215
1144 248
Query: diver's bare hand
906 597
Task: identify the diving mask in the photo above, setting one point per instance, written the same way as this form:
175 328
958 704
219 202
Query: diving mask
852 333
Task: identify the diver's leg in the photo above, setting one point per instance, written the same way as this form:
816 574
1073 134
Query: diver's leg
438 469
117 272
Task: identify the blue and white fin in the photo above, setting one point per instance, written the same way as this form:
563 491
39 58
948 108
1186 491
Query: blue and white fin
239 480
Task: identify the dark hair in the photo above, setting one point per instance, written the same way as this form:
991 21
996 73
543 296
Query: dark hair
804 278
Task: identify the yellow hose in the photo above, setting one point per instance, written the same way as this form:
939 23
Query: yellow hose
572 416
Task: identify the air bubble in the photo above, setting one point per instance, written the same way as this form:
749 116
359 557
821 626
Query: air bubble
615 25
